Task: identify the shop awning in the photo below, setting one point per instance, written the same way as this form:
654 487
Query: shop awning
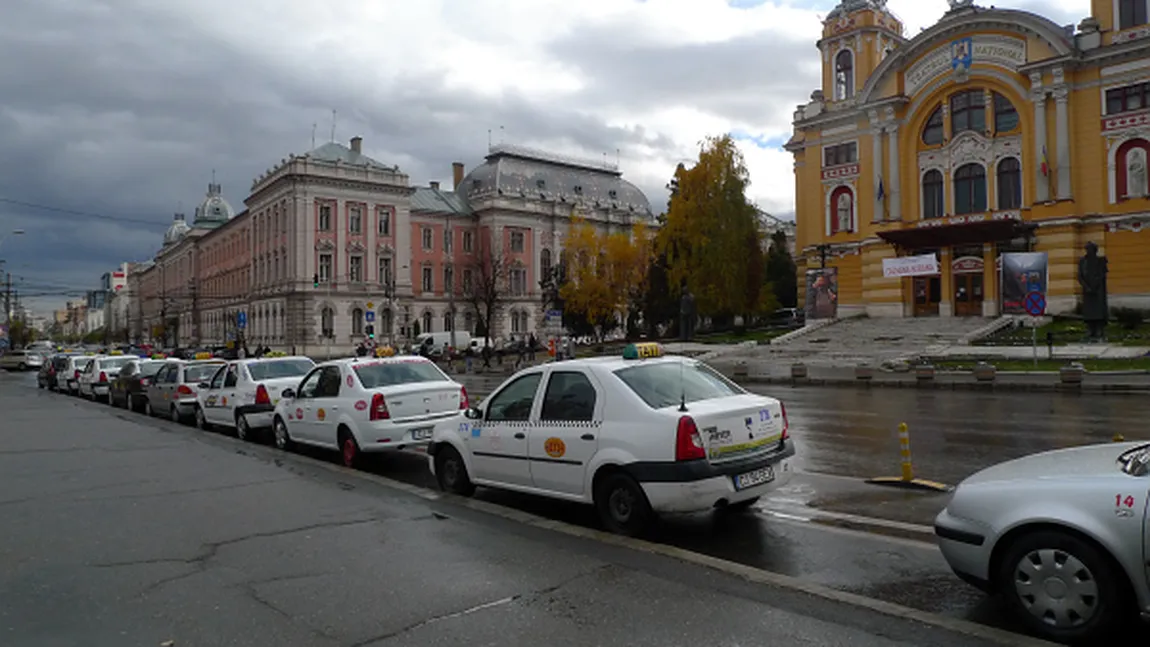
967 233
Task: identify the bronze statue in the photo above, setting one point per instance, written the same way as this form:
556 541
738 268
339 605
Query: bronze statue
1092 270
687 315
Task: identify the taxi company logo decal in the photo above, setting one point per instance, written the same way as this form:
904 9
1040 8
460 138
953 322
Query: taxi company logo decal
224 401
350 381
361 405
321 414
555 447
299 413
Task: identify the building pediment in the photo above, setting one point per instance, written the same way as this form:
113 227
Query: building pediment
954 44
385 248
970 147
325 245
355 247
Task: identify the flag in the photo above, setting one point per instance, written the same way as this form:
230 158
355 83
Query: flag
881 190
1045 163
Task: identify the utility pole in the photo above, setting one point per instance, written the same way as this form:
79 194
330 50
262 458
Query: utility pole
8 305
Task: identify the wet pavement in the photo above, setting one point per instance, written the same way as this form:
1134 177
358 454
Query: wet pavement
831 528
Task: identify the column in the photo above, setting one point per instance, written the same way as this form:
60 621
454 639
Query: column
1062 141
893 173
1041 182
876 172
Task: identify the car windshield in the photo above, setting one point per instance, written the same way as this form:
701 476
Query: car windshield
83 363
151 367
664 384
272 369
201 372
114 363
1136 462
380 374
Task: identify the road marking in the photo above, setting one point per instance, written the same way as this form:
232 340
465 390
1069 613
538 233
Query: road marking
808 523
816 513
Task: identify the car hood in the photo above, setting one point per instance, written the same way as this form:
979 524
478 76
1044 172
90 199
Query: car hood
1091 460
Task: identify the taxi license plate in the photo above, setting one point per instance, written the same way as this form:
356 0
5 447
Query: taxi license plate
421 433
755 477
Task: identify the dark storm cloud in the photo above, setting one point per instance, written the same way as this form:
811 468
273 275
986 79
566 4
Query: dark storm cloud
124 109
751 79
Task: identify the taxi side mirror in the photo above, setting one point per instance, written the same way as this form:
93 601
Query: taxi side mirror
204 386
474 413
287 393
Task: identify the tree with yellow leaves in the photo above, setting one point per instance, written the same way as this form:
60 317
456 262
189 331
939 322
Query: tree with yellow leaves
605 274
711 238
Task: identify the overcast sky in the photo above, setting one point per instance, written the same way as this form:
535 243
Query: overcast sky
122 108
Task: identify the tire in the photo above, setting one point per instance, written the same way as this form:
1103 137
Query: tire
451 472
281 437
1080 574
622 505
349 449
21 366
201 422
740 507
243 431
148 410
174 414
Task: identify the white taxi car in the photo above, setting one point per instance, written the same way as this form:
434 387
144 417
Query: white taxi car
96 378
70 379
368 404
635 436
242 394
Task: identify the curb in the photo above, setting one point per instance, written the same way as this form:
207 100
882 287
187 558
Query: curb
1054 387
912 484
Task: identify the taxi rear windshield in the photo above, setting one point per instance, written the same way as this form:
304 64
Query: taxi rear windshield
278 368
666 383
108 364
374 376
151 367
201 372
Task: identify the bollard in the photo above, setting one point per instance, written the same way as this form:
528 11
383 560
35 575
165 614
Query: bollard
904 449
1119 438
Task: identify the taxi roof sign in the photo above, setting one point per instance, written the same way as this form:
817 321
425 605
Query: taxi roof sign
116 353
643 351
159 356
203 355
276 353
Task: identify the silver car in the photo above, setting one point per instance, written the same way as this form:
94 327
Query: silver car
1062 535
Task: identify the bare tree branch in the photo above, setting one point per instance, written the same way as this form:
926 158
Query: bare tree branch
488 285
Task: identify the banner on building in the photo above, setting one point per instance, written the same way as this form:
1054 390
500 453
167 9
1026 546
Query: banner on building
1022 273
922 265
822 293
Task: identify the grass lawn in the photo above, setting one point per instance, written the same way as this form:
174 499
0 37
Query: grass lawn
760 336
1068 331
1131 364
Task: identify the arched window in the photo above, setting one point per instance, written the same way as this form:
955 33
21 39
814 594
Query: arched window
523 324
932 132
969 189
426 322
842 210
356 321
515 323
933 205
1009 183
968 111
327 322
844 75
545 263
448 321
1005 114
469 322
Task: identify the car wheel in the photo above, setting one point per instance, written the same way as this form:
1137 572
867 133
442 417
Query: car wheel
1063 587
174 414
282 437
148 410
622 505
21 366
201 422
243 431
451 472
348 448
740 506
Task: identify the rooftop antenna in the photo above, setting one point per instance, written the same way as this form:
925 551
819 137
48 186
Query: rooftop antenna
501 134
313 125
333 125
616 157
488 138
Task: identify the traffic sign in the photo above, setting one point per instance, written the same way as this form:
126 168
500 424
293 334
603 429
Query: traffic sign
241 320
369 316
370 305
1035 304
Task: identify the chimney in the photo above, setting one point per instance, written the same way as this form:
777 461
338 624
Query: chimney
434 185
457 174
357 144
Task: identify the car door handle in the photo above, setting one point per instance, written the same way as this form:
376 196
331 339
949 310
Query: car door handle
588 436
520 435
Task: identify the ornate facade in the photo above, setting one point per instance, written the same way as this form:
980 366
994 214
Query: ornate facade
994 130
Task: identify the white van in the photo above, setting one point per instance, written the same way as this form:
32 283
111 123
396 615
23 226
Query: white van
432 343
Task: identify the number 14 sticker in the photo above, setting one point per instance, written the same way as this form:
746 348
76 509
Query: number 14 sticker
1120 501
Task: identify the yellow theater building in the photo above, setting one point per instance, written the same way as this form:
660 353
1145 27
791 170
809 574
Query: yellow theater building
992 131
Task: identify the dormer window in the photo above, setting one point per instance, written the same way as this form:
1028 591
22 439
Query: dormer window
578 190
612 194
540 183
844 75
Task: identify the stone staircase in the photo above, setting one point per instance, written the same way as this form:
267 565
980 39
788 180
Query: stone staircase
875 340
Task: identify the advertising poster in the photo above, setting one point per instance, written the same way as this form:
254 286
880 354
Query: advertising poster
1022 273
822 293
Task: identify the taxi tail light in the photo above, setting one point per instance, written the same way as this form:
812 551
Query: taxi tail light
786 424
262 396
688 442
144 381
184 389
379 408
463 403
76 376
103 376
51 370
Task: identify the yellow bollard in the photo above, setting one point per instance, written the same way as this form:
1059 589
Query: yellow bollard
904 448
1119 438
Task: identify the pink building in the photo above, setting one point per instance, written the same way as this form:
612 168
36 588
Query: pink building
333 235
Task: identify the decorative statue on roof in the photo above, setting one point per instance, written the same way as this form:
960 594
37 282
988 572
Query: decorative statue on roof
1092 270
960 4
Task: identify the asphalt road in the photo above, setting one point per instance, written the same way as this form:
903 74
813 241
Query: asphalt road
121 530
